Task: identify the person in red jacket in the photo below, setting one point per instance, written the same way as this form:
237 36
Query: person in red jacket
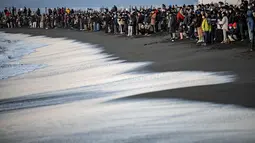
180 15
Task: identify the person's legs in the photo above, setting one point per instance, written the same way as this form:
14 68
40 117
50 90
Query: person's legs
249 32
181 35
134 30
52 24
200 34
224 35
241 30
81 25
41 24
106 28
98 27
159 26
94 26
191 32
206 39
209 37
115 29
212 35
85 27
129 31
173 36
120 29
252 43
139 28
34 24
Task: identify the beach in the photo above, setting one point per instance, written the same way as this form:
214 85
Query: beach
167 56
95 87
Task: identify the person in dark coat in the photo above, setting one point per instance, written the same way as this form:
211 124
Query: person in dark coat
172 22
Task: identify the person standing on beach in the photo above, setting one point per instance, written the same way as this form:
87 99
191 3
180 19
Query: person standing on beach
125 17
25 11
130 25
206 27
85 23
251 26
198 25
140 22
47 21
8 22
153 20
172 22
134 21
121 23
81 21
107 22
224 26
34 21
42 21
18 21
191 26
115 22
250 23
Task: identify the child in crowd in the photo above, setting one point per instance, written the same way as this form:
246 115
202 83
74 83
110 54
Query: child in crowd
206 28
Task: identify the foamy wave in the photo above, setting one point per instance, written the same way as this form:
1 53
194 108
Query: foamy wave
12 49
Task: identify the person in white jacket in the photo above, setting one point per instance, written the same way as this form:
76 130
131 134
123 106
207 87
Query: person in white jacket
42 21
224 26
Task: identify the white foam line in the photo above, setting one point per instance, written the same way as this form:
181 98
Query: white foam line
73 64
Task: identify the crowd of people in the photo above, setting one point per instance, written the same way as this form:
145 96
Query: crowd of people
206 23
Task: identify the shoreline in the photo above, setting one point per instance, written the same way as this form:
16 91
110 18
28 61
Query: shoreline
178 56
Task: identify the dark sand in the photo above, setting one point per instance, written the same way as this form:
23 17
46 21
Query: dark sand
177 56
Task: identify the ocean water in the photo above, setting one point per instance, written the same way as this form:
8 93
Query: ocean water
11 50
77 93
